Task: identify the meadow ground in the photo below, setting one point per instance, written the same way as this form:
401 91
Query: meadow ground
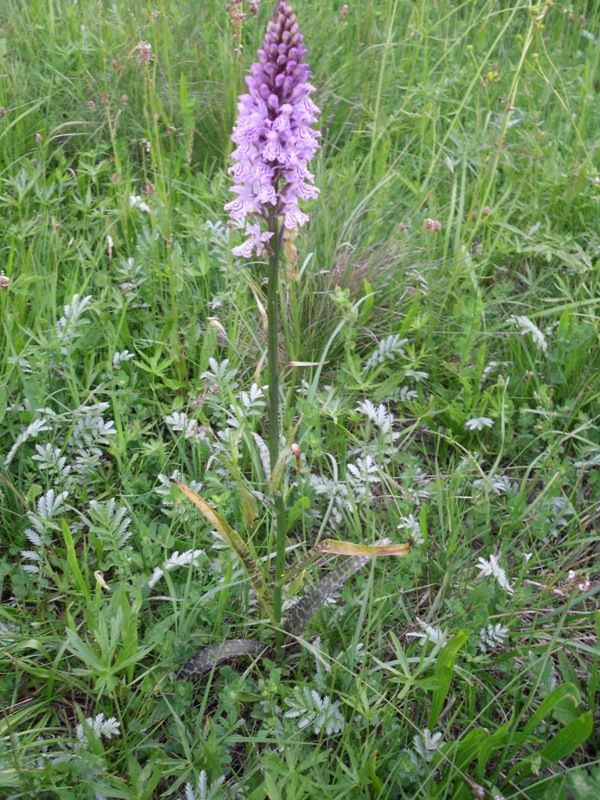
447 289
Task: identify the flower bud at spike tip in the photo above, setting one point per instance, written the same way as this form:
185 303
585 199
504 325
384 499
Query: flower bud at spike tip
273 133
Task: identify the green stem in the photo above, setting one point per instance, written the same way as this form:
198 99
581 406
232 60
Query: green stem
273 358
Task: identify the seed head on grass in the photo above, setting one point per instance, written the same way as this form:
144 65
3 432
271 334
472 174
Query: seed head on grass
274 135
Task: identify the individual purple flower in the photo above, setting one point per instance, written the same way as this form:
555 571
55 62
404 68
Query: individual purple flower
273 133
257 239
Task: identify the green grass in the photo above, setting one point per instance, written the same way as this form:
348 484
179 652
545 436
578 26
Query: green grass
482 116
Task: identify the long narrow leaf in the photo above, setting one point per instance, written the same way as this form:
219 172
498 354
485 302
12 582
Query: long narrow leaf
73 563
210 656
300 614
444 671
360 555
237 544
568 739
544 711
349 549
334 547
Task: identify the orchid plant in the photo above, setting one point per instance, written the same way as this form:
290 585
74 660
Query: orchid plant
275 143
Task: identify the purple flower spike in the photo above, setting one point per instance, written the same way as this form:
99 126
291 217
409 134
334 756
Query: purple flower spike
273 135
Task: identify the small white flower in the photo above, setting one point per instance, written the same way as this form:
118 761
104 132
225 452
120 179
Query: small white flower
478 423
432 634
135 201
124 355
492 567
527 326
175 560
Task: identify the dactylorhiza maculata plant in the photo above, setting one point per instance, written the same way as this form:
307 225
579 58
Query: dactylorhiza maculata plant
275 142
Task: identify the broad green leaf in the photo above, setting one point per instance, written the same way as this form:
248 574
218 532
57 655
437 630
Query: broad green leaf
444 670
209 657
490 746
568 739
294 587
237 544
359 554
545 709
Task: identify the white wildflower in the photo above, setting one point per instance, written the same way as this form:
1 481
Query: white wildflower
527 326
174 560
432 634
135 201
492 567
478 423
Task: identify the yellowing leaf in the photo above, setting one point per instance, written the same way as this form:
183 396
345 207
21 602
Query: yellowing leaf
361 550
237 544
249 506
